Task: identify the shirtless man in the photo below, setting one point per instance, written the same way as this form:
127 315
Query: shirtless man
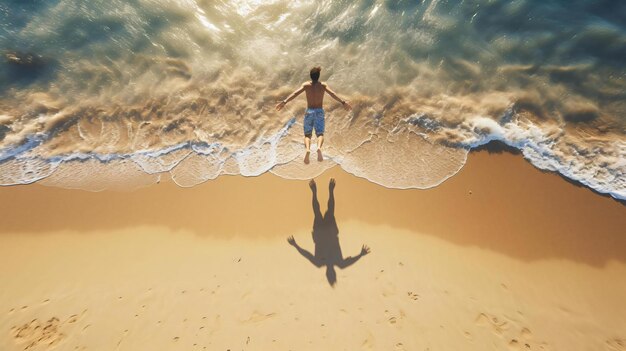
314 115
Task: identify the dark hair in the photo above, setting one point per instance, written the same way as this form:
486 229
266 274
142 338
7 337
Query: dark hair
315 73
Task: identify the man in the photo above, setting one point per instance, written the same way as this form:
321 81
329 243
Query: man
314 115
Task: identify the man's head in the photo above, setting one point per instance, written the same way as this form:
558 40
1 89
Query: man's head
315 73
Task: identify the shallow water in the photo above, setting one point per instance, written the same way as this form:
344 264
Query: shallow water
118 93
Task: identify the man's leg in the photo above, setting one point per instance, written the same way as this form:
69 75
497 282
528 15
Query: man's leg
319 131
307 145
308 131
320 142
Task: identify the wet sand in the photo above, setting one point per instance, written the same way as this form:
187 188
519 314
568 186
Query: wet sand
500 256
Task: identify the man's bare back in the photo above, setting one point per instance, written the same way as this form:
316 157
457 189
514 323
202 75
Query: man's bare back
314 94
314 117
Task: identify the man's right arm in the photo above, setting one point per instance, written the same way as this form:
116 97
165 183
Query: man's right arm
293 95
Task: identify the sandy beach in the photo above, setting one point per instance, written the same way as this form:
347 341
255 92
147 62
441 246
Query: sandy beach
501 256
155 194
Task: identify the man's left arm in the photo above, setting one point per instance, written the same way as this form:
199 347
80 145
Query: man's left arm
345 103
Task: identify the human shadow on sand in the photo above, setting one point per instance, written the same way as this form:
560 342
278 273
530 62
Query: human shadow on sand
326 238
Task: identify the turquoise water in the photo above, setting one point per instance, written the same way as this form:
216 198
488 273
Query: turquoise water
107 94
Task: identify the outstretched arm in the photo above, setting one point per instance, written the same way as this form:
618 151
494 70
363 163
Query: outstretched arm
309 256
351 260
293 95
345 103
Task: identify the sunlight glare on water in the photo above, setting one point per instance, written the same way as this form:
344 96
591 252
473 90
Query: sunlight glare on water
245 7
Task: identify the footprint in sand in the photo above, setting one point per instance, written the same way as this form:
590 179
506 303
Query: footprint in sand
413 296
497 325
46 334
399 347
514 344
616 344
37 333
258 317
518 339
393 319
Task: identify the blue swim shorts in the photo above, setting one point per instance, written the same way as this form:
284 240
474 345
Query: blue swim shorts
314 118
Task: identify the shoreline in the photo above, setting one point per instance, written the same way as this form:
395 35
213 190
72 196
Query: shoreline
139 178
497 147
486 175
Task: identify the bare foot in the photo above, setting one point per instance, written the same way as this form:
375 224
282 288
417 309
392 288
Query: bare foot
320 158
331 184
312 185
306 157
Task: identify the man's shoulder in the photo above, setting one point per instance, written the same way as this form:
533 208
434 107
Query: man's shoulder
309 84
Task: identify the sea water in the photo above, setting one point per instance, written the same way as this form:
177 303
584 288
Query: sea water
100 94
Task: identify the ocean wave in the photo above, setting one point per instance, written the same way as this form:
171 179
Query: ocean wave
117 94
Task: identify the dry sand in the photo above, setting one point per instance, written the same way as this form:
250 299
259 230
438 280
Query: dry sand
499 257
